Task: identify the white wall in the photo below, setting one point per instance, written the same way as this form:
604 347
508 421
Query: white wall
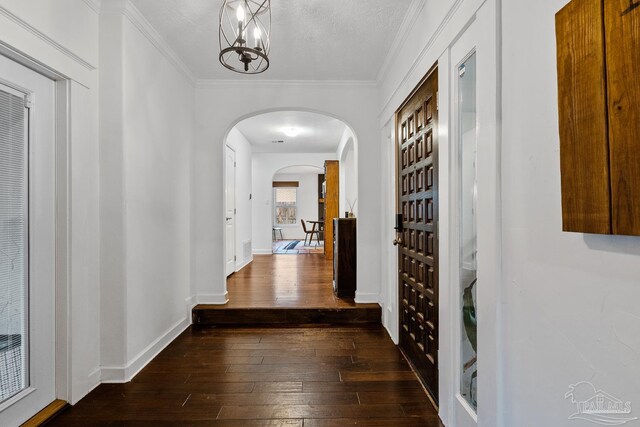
347 154
307 199
265 167
219 105
41 30
146 138
244 197
570 300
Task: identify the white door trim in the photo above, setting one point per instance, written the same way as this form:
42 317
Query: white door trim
230 270
480 33
63 229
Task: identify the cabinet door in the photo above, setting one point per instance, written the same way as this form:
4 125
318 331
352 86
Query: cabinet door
622 35
582 94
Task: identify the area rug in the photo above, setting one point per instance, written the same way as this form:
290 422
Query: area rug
294 247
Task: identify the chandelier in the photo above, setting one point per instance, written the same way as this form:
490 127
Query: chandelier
244 31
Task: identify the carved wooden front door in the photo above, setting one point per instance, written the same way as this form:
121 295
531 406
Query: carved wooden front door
417 177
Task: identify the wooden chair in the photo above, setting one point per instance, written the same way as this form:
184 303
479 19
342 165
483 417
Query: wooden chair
309 233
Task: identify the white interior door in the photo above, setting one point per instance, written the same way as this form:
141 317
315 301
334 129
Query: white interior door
230 209
27 242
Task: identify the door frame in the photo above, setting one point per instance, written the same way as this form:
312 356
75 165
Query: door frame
62 141
235 204
480 34
460 51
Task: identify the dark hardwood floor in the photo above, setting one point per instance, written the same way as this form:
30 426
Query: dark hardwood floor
311 377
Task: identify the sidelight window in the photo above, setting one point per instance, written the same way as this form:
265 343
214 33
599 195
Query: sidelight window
467 130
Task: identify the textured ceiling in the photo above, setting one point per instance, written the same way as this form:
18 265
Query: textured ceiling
311 39
317 133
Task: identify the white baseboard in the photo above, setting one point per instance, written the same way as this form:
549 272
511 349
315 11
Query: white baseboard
79 391
189 303
94 378
123 374
243 264
213 298
94 381
362 298
263 251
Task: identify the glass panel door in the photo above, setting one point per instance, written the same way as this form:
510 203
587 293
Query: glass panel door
27 242
13 243
467 138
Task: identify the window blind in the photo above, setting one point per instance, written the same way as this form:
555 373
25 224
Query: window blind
286 196
13 244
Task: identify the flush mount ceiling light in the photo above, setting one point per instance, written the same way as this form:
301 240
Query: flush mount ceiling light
291 132
244 33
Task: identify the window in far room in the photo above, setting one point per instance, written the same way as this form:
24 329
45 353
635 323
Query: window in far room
285 205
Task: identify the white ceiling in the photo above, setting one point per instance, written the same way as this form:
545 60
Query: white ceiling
310 39
317 133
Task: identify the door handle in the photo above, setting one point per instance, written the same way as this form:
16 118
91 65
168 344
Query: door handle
397 241
229 218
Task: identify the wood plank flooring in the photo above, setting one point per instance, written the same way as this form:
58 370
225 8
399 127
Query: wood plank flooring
302 377
285 290
285 281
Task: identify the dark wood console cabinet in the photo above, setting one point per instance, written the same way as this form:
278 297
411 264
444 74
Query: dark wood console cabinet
344 257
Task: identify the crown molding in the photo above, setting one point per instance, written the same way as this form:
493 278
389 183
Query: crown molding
443 24
203 83
145 27
410 19
129 11
93 5
42 36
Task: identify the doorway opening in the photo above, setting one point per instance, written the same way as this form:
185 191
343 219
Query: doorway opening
279 218
298 211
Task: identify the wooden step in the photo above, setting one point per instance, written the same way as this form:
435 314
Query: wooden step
219 315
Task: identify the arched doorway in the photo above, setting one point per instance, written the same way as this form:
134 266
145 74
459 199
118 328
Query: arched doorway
285 146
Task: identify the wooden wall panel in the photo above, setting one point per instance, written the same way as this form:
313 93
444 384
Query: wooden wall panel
622 35
582 96
331 203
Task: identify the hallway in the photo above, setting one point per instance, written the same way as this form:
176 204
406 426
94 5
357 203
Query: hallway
265 377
